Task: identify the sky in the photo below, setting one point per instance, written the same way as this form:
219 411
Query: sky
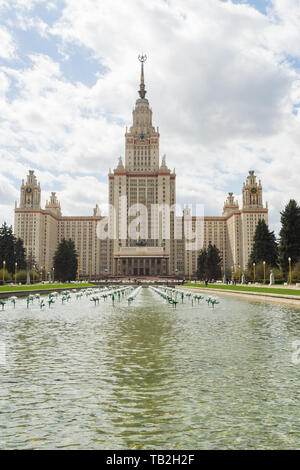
222 78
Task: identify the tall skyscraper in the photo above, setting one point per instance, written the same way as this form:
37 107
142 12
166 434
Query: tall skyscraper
144 236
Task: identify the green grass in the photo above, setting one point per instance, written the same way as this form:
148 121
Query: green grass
264 290
43 286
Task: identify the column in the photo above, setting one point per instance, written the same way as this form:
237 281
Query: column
155 267
127 272
144 267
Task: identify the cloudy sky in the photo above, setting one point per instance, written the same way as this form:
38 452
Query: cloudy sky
223 80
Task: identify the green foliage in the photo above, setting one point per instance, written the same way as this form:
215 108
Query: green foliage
201 271
11 251
22 276
289 235
7 276
296 273
20 254
209 263
7 247
264 246
65 261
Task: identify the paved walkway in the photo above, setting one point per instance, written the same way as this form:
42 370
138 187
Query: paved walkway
279 298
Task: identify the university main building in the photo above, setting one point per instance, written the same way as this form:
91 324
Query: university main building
142 236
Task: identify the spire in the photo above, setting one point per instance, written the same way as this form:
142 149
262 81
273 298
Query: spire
142 92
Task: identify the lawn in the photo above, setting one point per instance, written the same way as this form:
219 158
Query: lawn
43 286
263 290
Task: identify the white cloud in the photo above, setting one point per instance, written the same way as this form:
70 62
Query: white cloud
7 44
217 78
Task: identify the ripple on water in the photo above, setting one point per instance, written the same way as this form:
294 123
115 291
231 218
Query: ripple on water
149 376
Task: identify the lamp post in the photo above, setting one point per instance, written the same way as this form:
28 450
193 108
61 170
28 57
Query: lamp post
3 271
264 263
253 272
239 274
33 273
78 265
290 269
53 270
16 270
90 277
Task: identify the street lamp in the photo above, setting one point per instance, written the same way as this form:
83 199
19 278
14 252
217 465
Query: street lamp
16 270
3 271
78 266
264 263
53 274
254 272
290 269
239 274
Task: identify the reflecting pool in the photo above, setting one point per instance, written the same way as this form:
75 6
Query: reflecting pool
146 375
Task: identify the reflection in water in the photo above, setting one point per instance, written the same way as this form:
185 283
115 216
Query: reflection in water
149 376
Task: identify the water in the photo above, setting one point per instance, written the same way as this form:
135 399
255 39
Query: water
148 376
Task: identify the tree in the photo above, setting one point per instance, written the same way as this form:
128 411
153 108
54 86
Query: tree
66 261
264 246
213 262
201 264
7 247
289 245
209 263
20 254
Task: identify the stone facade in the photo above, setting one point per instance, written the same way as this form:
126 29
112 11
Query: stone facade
146 237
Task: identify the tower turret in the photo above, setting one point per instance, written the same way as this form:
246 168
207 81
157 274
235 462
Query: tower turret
30 197
252 193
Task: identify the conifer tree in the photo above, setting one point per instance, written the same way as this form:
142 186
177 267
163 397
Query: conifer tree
289 245
20 254
264 246
66 261
213 262
7 247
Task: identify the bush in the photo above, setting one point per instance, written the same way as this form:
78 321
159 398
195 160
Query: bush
22 276
7 276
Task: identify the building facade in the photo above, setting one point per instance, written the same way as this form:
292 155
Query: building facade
143 236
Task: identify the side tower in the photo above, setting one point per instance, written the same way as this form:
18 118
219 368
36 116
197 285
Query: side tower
252 211
30 198
29 218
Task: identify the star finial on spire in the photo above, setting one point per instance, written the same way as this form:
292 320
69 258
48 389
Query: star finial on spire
142 92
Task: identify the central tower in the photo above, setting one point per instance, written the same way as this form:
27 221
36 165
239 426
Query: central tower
142 140
142 192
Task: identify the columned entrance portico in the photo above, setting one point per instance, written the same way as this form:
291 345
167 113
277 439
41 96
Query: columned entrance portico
141 266
141 261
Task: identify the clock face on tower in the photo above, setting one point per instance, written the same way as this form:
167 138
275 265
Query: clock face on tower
253 190
28 190
142 136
